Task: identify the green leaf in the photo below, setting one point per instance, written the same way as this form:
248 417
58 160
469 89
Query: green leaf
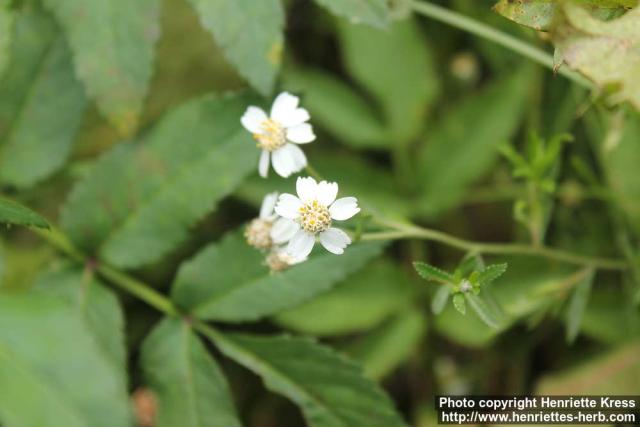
384 349
7 18
606 52
337 107
40 136
398 68
370 12
53 370
484 310
97 305
491 273
577 305
329 388
462 147
620 162
251 35
139 200
459 303
379 290
429 272
14 213
616 372
539 14
228 280
112 44
191 389
439 301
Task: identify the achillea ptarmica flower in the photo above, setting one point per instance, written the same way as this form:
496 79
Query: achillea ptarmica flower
312 213
268 230
278 134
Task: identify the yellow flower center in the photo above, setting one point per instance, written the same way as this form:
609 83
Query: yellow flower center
314 217
273 135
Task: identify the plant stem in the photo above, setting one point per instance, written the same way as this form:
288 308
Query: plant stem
404 231
125 282
485 31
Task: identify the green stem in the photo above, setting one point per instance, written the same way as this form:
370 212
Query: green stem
404 231
485 31
125 282
314 173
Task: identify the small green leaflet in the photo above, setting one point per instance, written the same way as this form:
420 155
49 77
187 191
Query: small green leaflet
491 273
14 213
459 302
429 272
577 305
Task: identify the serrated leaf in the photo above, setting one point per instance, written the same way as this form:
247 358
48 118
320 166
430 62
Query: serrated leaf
191 389
539 14
50 106
577 305
459 303
385 348
439 301
485 311
338 108
397 67
113 49
228 280
251 35
606 52
329 388
462 146
14 213
53 372
7 18
139 200
379 289
370 12
491 273
430 272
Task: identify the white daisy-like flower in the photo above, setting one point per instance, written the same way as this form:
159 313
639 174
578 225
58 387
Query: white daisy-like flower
267 230
279 133
311 214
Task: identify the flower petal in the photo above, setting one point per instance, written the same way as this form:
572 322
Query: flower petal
253 118
294 118
344 208
327 192
283 230
307 189
288 206
335 240
263 164
283 163
301 134
297 156
268 203
283 106
301 244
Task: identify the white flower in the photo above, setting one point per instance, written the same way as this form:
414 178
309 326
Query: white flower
266 230
311 214
278 259
278 134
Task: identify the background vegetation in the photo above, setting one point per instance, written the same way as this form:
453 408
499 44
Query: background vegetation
137 300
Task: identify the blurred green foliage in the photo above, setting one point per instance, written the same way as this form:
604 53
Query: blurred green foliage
120 125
